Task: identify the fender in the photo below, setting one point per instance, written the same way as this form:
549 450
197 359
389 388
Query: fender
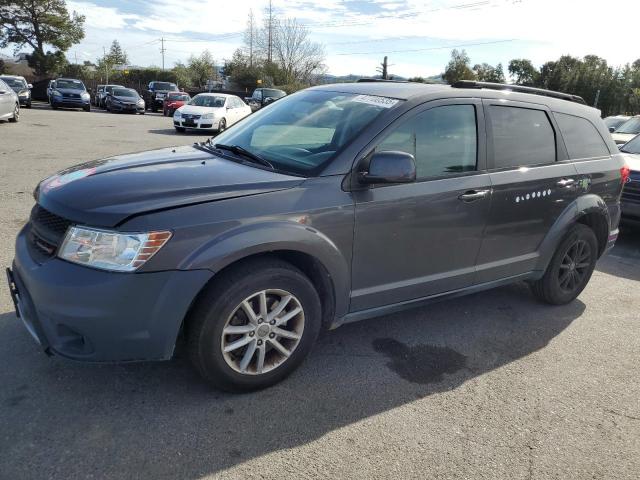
262 237
581 206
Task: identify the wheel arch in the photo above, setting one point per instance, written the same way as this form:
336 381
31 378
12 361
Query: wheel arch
302 247
590 210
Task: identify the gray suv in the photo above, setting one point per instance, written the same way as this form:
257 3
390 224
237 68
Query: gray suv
335 204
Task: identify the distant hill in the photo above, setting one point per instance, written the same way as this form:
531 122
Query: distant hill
328 78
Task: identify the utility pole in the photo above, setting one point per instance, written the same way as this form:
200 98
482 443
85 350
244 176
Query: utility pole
162 50
595 103
106 64
270 33
251 31
384 69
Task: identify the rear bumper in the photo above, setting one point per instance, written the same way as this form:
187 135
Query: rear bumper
98 316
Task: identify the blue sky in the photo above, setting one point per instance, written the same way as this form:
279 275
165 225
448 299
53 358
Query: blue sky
417 35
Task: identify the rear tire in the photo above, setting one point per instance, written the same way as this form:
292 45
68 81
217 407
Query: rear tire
266 351
570 267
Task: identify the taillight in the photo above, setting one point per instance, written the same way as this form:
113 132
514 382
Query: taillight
625 172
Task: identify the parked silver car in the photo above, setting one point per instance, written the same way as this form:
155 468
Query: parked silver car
9 103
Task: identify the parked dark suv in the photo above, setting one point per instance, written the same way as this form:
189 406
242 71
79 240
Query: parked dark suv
337 203
156 92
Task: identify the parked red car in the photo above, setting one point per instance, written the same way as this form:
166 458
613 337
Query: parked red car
173 101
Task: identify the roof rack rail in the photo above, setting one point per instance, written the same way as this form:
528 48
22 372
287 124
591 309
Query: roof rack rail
518 88
382 80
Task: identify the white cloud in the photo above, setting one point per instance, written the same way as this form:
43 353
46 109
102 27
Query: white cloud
542 30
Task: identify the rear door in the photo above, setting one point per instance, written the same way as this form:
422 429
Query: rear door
419 239
533 182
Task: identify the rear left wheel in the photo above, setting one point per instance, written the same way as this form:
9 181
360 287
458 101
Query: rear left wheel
254 326
570 268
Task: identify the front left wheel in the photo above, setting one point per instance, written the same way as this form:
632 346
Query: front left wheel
16 114
254 326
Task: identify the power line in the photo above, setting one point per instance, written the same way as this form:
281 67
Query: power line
431 48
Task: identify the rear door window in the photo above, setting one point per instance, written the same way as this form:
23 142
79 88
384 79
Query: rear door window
580 137
521 137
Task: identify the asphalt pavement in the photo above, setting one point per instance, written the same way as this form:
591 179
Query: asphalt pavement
493 385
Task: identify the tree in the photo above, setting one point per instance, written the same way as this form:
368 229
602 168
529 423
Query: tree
523 72
40 23
458 68
297 56
117 56
487 73
201 68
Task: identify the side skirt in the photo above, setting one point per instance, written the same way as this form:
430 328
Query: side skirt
421 302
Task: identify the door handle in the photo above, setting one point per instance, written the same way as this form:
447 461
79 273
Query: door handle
566 182
473 195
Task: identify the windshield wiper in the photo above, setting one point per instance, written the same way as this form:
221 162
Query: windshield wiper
243 152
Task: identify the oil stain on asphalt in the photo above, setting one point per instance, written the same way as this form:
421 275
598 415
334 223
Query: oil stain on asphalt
421 364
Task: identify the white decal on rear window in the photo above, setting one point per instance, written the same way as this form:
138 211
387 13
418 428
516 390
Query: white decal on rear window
383 102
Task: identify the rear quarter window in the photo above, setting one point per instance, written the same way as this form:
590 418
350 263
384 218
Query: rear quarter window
580 137
521 137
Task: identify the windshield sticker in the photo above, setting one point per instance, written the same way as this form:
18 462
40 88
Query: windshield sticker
384 102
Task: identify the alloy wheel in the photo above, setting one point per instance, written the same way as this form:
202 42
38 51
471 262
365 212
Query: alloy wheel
262 332
574 266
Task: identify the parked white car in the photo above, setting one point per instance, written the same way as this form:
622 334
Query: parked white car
10 104
210 111
627 130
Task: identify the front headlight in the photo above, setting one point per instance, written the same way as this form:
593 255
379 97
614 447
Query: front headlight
177 114
56 93
24 93
85 95
109 250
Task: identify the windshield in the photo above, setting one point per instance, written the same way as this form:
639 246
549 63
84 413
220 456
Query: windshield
71 84
304 131
14 82
207 101
124 92
614 122
630 126
632 146
179 97
267 92
164 86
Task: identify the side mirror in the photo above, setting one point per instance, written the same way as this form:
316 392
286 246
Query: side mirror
612 129
30 86
389 167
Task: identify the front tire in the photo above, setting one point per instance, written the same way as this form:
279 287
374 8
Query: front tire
16 114
254 325
180 129
570 268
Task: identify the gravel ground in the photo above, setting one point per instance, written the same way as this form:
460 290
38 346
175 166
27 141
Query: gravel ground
493 385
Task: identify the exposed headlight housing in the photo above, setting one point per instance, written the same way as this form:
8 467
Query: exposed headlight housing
110 250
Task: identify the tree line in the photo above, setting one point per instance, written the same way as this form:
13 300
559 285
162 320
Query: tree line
614 90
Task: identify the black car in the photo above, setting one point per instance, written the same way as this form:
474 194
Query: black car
21 87
262 97
336 204
156 92
102 94
631 192
125 100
